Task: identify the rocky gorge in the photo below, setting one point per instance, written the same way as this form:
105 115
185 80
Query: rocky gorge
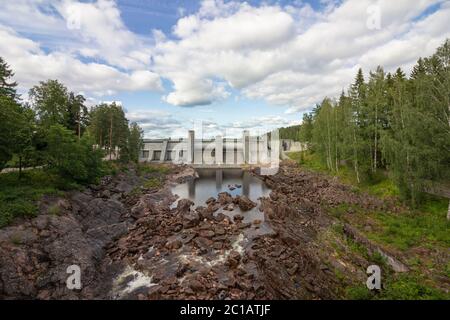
137 242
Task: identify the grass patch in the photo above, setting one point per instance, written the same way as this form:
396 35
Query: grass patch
413 228
18 198
426 225
152 183
400 287
308 160
54 210
378 185
146 168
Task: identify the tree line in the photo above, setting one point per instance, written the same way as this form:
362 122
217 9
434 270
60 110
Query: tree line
389 122
56 129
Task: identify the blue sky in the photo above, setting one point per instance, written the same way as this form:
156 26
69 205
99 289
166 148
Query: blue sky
235 65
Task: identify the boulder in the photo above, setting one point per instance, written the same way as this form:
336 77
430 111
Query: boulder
184 205
191 219
224 198
244 203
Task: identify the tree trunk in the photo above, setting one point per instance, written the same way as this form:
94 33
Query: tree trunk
20 167
79 131
336 141
376 141
329 160
355 160
448 212
110 137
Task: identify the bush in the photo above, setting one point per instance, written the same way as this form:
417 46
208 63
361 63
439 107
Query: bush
71 159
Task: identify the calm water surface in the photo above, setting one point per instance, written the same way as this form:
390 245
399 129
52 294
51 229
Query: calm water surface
213 181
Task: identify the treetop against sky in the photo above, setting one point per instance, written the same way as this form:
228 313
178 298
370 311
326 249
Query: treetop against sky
235 65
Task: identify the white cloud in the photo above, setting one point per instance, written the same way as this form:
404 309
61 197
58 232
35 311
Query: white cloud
292 56
100 30
31 64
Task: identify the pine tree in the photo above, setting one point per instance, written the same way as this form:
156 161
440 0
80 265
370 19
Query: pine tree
7 86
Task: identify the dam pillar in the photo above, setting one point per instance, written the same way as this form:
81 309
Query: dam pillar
219 150
163 156
246 146
190 146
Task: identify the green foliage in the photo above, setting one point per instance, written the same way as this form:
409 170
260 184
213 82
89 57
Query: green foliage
54 210
146 168
50 100
7 86
109 128
152 183
399 287
292 133
375 127
410 287
359 292
70 159
414 228
18 197
134 143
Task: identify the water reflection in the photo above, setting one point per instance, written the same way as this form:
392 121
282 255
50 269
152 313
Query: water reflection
234 181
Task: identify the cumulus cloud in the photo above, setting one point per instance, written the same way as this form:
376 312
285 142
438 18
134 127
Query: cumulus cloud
293 55
31 65
159 123
288 55
101 33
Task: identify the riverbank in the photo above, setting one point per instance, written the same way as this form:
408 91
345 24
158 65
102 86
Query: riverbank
419 236
133 239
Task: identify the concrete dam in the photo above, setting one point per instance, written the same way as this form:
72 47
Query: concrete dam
218 152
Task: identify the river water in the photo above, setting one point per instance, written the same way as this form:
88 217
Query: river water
211 182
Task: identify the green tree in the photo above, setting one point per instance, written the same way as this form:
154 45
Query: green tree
50 101
109 127
71 159
11 123
135 142
77 114
7 86
306 129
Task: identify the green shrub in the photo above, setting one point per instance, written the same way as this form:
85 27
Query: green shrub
152 183
146 168
54 210
71 159
409 287
360 292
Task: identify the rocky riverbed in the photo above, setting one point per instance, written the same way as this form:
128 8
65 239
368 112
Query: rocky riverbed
133 243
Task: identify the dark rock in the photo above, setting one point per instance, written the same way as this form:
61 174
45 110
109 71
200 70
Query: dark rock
191 219
224 198
195 285
174 244
244 203
233 259
184 205
220 217
206 233
217 245
203 243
